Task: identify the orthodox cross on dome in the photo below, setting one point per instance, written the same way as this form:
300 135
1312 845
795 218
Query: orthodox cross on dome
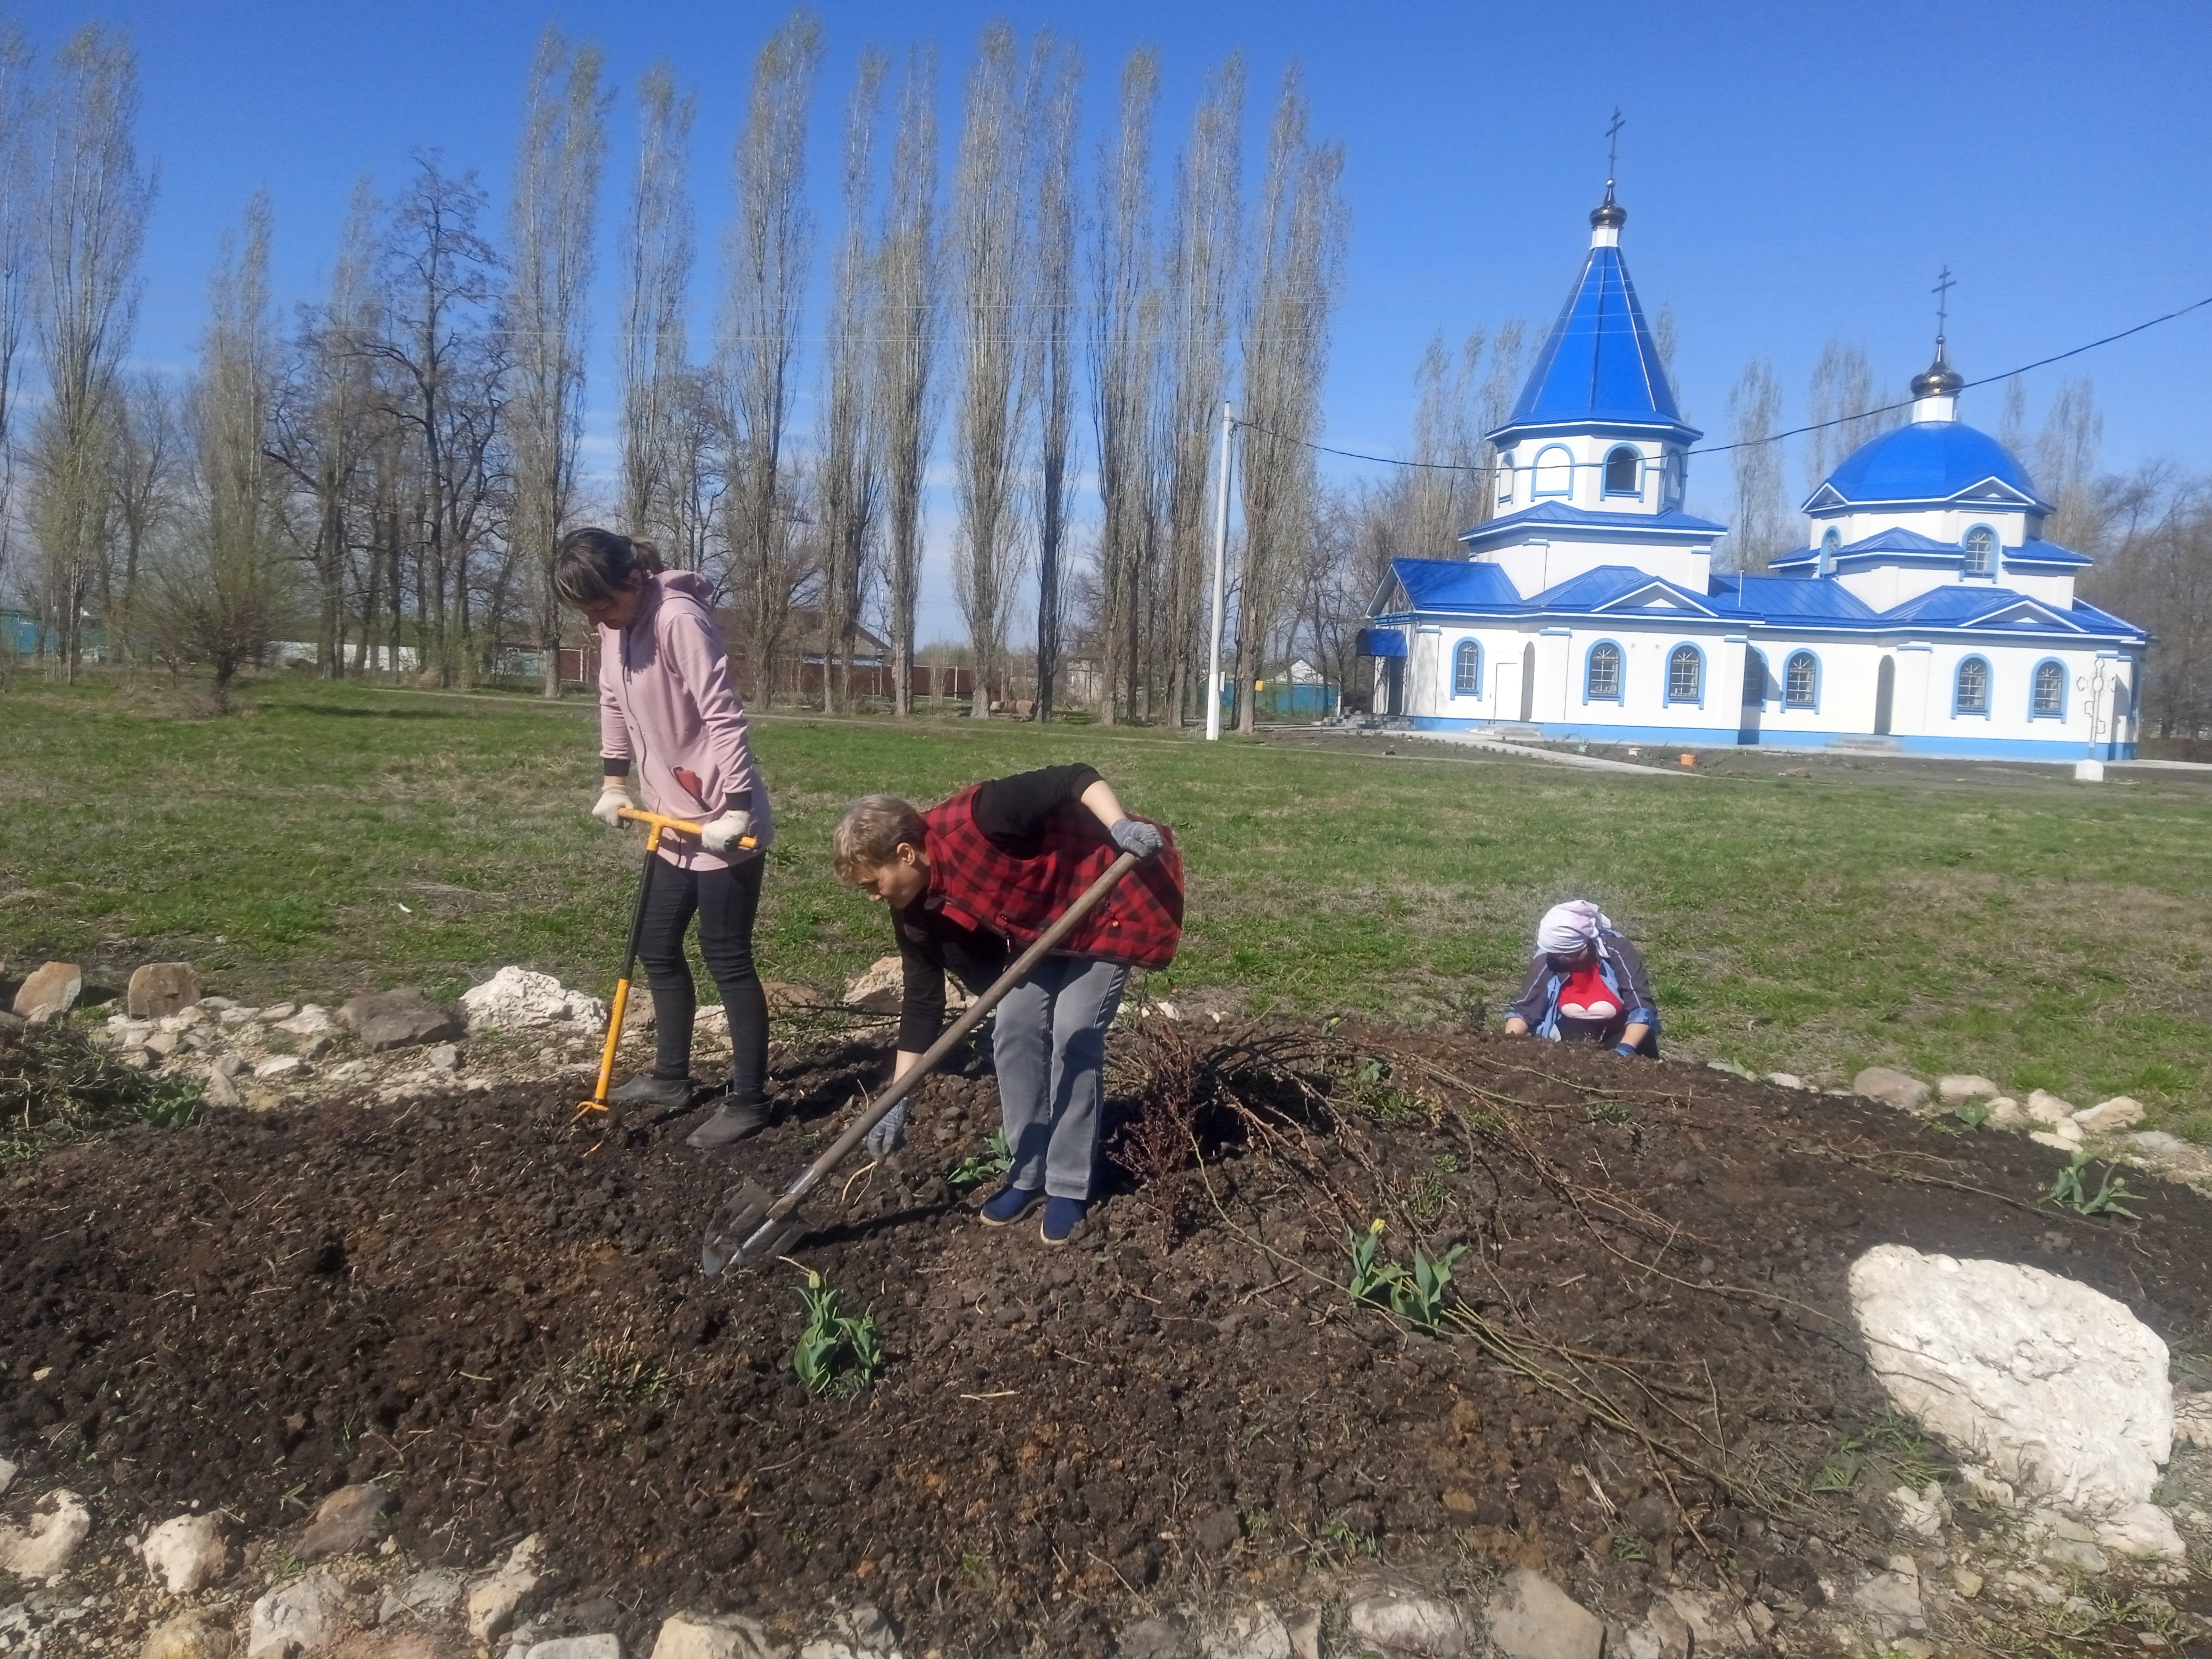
1944 283
1613 149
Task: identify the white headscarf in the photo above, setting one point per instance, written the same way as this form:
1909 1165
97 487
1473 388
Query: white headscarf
1566 928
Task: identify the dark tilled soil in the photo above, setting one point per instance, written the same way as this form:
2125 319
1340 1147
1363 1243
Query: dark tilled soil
505 1318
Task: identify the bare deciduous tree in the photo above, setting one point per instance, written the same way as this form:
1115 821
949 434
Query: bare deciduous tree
148 459
94 204
2066 466
908 308
1054 150
767 256
1202 268
655 348
1761 526
19 113
850 482
1285 355
1448 486
987 246
1842 393
556 190
1125 364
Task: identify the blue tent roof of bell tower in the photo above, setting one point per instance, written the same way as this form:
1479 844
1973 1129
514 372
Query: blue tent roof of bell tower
1600 365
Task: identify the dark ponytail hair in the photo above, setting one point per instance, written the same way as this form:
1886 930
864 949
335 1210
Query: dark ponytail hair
594 565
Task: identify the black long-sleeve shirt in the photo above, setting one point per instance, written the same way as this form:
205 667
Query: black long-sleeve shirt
1012 811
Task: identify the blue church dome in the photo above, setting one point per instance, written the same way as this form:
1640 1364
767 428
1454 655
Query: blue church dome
1926 461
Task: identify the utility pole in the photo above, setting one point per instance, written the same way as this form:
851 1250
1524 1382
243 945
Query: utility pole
1220 563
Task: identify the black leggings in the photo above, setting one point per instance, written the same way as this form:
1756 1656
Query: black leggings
724 900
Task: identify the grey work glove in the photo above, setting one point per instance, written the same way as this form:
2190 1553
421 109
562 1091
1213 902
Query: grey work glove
1135 835
614 795
890 1133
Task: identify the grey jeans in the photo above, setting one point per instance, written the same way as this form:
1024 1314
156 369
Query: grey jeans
1049 1047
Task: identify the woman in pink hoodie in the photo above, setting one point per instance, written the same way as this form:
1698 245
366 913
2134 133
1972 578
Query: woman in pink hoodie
667 707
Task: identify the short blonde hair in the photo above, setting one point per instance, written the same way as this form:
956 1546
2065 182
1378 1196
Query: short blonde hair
871 833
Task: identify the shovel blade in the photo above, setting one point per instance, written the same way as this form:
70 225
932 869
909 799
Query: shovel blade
734 1238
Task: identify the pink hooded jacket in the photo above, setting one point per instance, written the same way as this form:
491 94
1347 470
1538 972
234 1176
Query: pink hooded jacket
667 707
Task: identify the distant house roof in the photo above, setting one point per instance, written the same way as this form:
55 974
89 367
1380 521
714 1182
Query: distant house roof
1926 461
1599 363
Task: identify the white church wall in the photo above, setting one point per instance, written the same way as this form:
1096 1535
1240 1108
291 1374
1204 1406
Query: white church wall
1941 524
1540 563
2053 588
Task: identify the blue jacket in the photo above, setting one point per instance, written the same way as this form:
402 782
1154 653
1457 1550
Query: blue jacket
1620 966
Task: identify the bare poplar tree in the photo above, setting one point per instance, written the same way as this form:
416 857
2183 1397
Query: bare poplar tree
1124 355
850 484
766 256
549 230
221 590
1202 273
1054 150
1501 385
19 112
987 246
655 348
94 204
908 308
144 476
2012 426
1448 486
1300 252
2066 466
1761 526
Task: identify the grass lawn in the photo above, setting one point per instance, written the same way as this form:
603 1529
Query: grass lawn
331 838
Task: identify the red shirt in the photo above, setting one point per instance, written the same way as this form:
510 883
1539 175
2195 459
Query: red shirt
1585 995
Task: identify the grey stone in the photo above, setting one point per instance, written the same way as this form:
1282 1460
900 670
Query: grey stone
162 1044
1304 1630
1257 1632
1219 1532
219 1090
2005 1113
2047 1108
493 1602
275 1012
1149 1638
2110 1116
200 1633
1956 1089
1891 1599
188 1552
58 1526
1664 1634
303 1616
7 1475
280 1066
867 1627
1532 1618
352 1518
51 991
2075 1552
400 1019
2157 1143
715 1636
160 988
11 1023
1892 1088
606 1645
443 1058
430 1594
311 1021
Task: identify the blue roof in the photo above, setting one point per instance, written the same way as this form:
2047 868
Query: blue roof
1454 585
2043 552
1559 515
1600 363
1596 589
1956 607
1776 598
1927 461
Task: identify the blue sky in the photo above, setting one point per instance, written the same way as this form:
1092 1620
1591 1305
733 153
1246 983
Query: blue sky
1792 172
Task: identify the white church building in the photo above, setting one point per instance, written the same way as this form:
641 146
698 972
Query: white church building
1927 616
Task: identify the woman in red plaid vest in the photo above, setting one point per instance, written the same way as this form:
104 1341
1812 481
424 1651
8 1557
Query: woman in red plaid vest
971 882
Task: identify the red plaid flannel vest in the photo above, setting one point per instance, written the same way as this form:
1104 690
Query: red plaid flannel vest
1139 923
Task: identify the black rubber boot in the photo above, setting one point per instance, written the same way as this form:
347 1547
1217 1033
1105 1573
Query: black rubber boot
731 1123
670 1094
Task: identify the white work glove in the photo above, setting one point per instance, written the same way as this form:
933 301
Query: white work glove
614 795
1135 835
890 1133
725 832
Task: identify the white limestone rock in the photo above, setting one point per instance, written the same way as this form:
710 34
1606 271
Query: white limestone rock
492 1603
283 1066
2192 1421
603 1646
1404 1621
196 1633
880 990
1956 1089
58 1527
1532 1618
1257 1632
1891 1602
1892 1088
304 1616
314 1020
2047 1108
2006 1113
2055 1388
2063 1137
188 1552
430 1594
2110 1116
7 1475
516 999
715 1636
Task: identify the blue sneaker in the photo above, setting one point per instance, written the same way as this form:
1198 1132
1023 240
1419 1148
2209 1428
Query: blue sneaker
1063 1216
1008 1205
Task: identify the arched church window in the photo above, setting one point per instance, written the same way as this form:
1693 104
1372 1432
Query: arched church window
1671 490
1686 674
1467 669
1555 472
1504 478
2049 690
1972 695
1601 676
1831 542
1980 543
1620 472
1801 680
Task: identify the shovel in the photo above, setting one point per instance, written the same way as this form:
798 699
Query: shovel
751 1227
660 826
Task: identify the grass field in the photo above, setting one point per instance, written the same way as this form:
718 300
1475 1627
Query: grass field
331 838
